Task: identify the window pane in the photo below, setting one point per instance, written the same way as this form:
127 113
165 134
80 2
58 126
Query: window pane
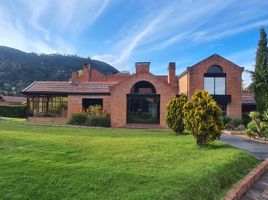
209 84
219 85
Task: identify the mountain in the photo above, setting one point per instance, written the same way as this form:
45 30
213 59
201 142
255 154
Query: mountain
18 69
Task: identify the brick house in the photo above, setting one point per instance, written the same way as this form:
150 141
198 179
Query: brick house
137 99
11 100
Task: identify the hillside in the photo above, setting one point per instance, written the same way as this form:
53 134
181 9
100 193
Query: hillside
18 69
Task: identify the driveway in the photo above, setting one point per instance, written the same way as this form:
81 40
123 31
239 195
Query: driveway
259 150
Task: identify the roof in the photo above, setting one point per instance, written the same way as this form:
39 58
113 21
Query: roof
248 98
216 55
13 99
66 87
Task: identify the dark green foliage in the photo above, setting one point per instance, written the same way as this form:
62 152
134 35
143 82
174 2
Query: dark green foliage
84 119
174 116
203 117
13 111
245 119
78 119
258 127
18 69
226 119
260 75
237 122
101 121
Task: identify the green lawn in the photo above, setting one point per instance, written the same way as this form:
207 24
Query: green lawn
10 119
42 162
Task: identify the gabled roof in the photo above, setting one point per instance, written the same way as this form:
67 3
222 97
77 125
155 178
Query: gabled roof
12 99
217 56
67 87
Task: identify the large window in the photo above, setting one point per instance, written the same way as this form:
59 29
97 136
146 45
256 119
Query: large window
87 103
215 81
215 85
47 106
143 104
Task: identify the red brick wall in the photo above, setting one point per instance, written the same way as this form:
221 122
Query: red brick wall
119 97
75 103
233 81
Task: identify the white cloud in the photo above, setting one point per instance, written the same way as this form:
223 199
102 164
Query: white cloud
44 26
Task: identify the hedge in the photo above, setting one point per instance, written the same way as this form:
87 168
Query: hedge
13 111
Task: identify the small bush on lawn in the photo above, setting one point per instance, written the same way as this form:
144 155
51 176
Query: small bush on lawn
203 117
13 111
78 119
174 116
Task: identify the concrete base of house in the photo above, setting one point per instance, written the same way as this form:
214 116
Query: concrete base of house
56 120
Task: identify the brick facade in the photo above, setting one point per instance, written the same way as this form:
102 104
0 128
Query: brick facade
113 89
233 81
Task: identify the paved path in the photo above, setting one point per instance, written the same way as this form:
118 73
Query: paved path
259 191
259 150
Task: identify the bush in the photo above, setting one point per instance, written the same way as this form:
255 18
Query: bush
238 122
226 119
174 116
234 123
84 119
245 119
102 121
78 119
203 117
13 111
251 129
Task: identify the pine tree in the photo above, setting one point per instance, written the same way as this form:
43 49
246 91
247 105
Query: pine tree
260 75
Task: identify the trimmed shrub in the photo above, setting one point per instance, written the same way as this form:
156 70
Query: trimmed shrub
102 121
84 119
203 117
174 116
18 111
78 119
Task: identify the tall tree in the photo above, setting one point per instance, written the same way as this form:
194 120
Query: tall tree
260 75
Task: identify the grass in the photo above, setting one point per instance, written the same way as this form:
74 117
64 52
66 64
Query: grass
10 119
42 162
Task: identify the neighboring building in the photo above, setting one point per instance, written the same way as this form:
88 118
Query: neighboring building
12 100
248 102
133 100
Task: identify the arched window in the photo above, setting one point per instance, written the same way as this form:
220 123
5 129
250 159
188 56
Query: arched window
215 69
215 80
143 104
143 87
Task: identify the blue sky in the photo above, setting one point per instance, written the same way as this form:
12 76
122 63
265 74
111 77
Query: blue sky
122 32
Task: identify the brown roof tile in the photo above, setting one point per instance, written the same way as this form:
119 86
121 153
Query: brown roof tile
13 99
248 98
66 87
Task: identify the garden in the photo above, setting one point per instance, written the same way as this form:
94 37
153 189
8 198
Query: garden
45 162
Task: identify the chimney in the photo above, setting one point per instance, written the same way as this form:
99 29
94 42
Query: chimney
172 79
85 77
142 67
74 77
